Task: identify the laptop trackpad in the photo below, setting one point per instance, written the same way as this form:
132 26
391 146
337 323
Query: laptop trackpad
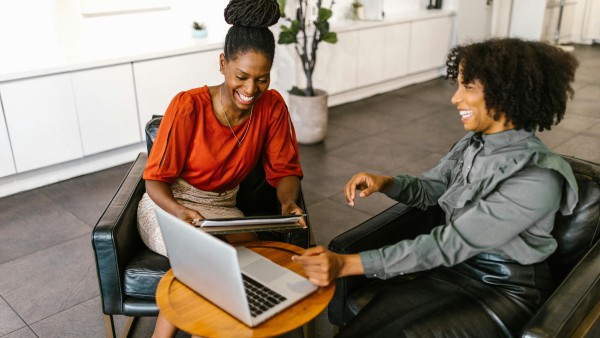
265 270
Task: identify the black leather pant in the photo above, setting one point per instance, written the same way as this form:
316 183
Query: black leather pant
485 296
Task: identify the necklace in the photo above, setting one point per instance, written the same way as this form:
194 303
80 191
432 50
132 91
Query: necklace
239 141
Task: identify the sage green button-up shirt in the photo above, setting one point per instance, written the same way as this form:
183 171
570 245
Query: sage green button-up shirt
500 193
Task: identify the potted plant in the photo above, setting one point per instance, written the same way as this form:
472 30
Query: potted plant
358 11
308 106
198 30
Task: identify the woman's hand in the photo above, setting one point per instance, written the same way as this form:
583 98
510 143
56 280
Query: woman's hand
367 183
323 266
162 195
190 216
292 209
288 191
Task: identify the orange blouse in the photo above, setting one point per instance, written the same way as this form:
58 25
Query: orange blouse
192 144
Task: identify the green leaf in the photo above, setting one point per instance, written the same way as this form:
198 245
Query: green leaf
323 27
295 25
330 37
281 4
324 14
287 37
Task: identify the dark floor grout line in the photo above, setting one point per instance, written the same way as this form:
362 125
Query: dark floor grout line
88 234
69 212
63 310
18 315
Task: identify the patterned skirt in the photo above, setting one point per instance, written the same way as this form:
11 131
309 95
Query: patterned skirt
208 204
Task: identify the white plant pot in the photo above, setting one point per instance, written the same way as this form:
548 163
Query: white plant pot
309 116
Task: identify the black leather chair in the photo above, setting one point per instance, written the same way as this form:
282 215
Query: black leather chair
128 272
572 310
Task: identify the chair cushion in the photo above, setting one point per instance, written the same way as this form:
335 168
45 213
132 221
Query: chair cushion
143 273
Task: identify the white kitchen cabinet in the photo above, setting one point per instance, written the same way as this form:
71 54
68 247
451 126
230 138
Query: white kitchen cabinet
7 164
336 69
370 56
395 50
105 101
383 53
158 81
42 121
429 43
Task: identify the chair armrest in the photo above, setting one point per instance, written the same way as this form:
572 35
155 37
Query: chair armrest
564 312
115 238
390 226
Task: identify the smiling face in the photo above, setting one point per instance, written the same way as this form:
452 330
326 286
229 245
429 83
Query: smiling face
246 78
469 99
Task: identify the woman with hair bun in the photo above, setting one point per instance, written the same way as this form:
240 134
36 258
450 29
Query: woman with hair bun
211 137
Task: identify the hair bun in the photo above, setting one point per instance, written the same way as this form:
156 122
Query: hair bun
252 13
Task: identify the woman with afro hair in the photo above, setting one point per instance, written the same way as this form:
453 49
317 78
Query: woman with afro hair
211 137
483 272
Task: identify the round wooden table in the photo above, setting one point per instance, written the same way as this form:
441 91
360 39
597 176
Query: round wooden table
191 313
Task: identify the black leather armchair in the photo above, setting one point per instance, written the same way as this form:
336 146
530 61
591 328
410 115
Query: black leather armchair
128 272
572 310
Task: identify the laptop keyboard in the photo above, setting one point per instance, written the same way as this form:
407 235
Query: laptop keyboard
260 297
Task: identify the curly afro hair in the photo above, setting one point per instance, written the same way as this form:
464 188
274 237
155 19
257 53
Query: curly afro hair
528 81
250 32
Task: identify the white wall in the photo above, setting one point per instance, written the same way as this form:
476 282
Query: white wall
586 24
58 27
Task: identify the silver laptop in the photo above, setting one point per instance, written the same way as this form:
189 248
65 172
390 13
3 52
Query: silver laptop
245 284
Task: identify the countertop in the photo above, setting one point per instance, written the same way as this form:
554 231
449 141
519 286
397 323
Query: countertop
44 58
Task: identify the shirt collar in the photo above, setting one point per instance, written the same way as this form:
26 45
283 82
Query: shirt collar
504 138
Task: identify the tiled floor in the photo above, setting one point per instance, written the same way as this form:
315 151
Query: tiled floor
48 285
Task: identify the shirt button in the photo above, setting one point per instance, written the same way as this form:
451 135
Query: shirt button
469 167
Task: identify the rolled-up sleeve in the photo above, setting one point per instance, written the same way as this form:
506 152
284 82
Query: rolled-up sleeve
169 151
493 222
281 149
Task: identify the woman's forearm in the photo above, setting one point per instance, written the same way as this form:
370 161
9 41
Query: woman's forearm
161 193
288 190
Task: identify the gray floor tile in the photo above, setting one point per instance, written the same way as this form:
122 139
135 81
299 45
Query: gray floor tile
330 219
82 320
312 195
325 176
379 154
438 140
584 147
588 107
49 281
372 205
592 131
555 137
30 221
589 92
87 196
21 333
368 122
417 168
9 319
577 123
336 137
